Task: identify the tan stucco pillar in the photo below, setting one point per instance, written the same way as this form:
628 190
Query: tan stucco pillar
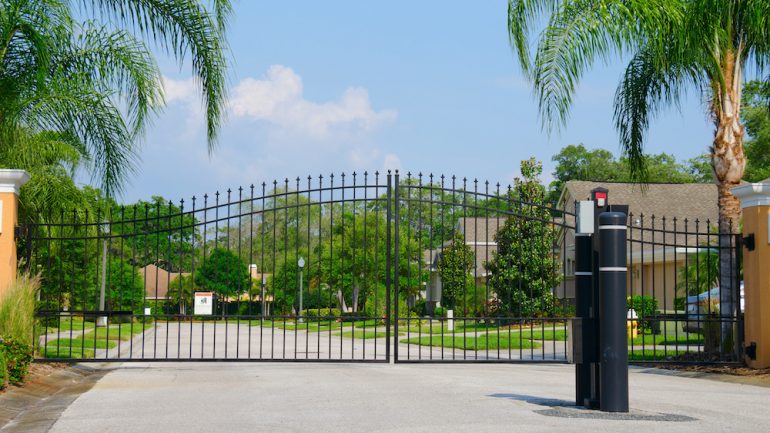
755 201
10 182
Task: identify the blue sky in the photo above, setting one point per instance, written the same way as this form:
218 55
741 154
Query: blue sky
431 86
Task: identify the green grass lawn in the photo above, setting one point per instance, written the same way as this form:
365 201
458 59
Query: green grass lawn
65 324
67 352
652 355
481 342
124 331
671 339
291 326
361 334
75 347
83 346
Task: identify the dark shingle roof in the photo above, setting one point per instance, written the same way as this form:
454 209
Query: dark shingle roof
691 201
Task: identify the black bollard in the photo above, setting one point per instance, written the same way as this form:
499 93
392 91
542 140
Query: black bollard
583 349
613 370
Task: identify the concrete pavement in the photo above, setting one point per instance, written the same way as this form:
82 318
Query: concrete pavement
290 397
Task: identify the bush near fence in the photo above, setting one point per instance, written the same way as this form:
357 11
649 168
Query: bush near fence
646 308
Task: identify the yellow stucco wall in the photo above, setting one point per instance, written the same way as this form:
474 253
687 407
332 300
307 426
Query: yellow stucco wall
7 241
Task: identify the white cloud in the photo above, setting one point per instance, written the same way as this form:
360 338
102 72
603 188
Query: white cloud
277 98
186 93
391 162
179 90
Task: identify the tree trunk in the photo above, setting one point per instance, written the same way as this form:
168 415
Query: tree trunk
728 161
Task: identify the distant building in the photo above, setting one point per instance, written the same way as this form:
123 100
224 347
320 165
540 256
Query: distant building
654 258
157 280
479 233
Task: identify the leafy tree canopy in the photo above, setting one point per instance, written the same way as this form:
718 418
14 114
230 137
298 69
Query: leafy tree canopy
576 162
223 272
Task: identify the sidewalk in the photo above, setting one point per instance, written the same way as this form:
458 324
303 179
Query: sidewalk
285 397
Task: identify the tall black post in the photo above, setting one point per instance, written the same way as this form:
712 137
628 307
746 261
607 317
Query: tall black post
584 348
613 371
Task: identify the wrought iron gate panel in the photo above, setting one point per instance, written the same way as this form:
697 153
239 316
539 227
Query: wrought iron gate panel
153 260
481 275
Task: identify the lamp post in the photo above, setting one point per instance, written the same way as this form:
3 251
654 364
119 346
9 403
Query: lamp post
102 320
301 264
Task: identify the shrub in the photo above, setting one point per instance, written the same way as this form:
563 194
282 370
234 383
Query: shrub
314 314
419 307
3 371
17 308
680 303
440 311
18 356
645 307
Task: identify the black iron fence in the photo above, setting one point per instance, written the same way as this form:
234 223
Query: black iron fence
361 268
338 268
685 288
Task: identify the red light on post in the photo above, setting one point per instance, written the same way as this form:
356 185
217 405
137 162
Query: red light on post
599 195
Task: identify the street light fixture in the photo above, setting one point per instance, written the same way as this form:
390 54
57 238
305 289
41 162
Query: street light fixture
301 264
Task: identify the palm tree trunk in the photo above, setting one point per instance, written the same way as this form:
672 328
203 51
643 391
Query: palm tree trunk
728 161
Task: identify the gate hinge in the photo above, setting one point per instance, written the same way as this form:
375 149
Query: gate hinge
748 242
751 350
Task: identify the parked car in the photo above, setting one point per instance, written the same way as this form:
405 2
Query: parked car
696 308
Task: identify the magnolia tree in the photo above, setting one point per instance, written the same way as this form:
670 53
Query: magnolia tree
523 270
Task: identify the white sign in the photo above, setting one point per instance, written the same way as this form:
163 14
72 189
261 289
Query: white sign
204 303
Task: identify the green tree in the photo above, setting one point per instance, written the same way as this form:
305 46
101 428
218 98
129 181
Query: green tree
158 232
455 268
523 270
180 292
69 80
223 272
94 85
673 45
756 117
575 162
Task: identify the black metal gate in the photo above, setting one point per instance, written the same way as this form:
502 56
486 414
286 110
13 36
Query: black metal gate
345 268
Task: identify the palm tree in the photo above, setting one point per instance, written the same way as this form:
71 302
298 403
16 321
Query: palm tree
675 45
83 92
97 82
181 28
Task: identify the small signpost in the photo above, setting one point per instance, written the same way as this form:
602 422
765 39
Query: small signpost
204 303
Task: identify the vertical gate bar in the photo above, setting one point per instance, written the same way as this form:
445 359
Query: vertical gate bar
388 276
737 244
331 256
409 215
309 263
251 260
342 256
397 259
377 257
240 281
320 273
193 231
365 270
298 319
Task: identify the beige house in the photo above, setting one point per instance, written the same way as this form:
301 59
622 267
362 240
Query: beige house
157 280
479 235
668 223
